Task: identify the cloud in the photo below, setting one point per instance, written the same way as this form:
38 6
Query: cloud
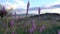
17 12
54 3
54 10
21 4
15 4
33 12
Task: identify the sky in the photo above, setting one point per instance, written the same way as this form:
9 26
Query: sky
15 4
33 3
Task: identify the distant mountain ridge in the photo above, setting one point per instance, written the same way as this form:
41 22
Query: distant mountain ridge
52 14
48 15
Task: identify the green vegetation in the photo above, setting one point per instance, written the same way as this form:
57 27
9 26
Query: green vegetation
22 27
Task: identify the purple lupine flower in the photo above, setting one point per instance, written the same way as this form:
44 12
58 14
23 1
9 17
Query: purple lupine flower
42 28
12 23
15 14
19 17
39 10
12 32
31 30
3 9
28 4
33 25
4 25
58 32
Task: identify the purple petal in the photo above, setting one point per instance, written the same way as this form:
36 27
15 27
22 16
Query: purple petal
58 32
13 32
42 28
31 30
12 23
3 7
34 26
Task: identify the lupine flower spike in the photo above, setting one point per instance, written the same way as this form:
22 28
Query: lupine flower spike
33 28
42 28
58 32
12 32
33 25
12 23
